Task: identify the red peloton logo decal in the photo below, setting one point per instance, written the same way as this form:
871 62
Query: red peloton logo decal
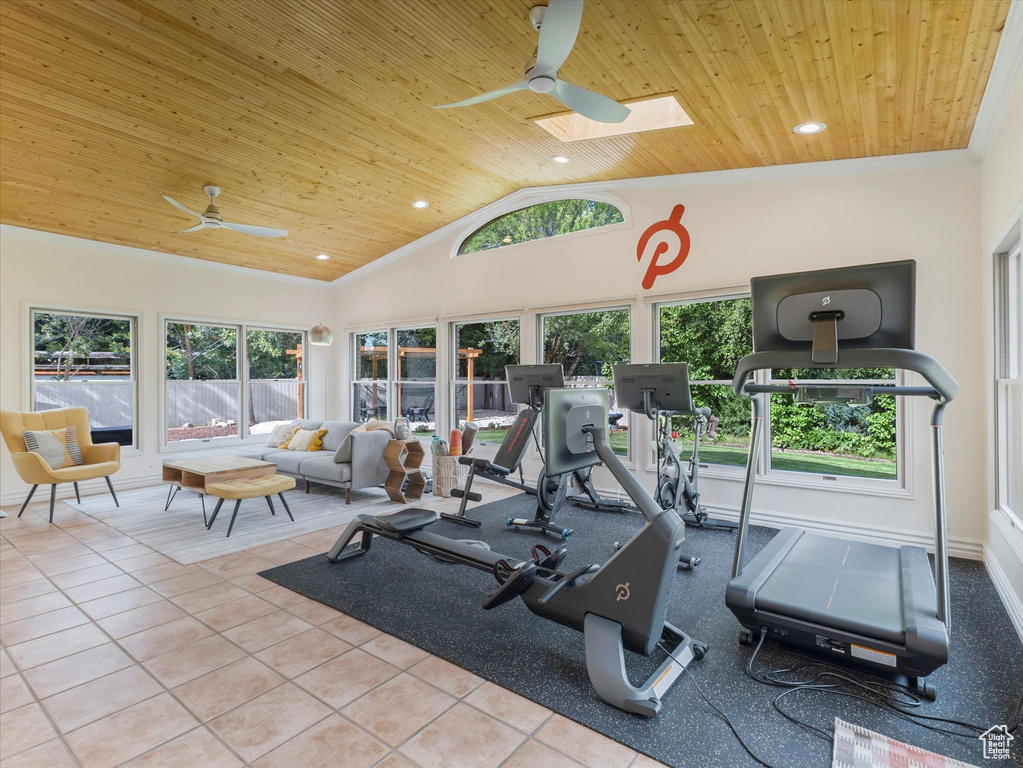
671 236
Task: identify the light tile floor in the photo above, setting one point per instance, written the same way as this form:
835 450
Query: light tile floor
112 654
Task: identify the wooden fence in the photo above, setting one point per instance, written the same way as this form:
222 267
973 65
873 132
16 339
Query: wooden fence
188 402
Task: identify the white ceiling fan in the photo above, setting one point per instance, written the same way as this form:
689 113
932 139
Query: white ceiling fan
558 24
211 218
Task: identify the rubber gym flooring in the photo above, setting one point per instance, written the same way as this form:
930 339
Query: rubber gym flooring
437 607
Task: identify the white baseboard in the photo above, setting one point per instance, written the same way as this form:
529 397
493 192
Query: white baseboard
85 487
1010 599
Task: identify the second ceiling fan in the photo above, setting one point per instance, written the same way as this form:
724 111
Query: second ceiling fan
558 23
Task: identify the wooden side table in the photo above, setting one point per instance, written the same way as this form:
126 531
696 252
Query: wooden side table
403 458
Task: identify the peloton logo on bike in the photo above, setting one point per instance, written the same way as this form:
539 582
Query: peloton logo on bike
622 592
671 235
825 301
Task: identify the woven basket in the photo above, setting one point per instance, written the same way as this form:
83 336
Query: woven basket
448 474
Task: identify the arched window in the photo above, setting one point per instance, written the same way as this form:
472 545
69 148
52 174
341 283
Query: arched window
535 222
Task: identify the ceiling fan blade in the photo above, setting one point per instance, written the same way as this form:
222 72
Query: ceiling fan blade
521 86
178 205
196 228
558 31
590 104
248 229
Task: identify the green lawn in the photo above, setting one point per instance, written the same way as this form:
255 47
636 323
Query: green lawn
735 455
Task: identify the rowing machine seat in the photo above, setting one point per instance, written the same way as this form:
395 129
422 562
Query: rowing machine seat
406 520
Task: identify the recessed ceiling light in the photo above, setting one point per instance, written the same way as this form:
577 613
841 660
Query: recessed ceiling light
322 257
809 128
420 204
561 159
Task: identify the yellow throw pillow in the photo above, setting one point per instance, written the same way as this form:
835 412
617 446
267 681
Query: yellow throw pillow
307 440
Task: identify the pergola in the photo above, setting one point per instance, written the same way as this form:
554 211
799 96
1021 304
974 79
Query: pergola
375 355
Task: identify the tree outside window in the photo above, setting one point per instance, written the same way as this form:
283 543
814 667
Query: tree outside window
557 217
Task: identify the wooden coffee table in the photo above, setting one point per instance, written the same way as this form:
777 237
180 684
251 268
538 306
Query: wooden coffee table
195 474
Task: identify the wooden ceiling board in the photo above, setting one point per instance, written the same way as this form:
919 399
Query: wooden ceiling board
316 117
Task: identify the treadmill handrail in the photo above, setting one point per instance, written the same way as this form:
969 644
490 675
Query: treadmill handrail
944 385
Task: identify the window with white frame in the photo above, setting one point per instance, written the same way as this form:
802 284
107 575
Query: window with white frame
1009 383
711 336
369 382
87 359
228 381
826 440
588 343
479 391
415 383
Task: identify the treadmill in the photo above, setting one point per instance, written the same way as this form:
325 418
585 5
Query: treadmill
869 604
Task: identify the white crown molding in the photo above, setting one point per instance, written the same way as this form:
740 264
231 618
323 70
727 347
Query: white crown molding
1004 71
606 190
41 236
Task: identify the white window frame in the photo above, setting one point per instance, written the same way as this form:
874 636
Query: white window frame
1008 367
900 487
135 320
720 471
354 382
454 381
393 382
242 329
629 458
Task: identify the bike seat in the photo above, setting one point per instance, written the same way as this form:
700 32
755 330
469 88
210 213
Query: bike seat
406 520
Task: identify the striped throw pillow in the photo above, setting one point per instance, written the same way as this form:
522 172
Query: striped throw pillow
51 445
71 440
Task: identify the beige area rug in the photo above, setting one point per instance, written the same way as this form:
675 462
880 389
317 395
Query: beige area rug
180 534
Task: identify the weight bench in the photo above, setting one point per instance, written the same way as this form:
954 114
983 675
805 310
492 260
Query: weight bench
507 460
251 488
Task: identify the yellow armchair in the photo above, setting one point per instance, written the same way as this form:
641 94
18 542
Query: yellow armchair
99 460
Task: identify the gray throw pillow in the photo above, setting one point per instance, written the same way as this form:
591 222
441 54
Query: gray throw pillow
343 454
50 447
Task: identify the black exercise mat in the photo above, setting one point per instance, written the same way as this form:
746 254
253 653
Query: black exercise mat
437 607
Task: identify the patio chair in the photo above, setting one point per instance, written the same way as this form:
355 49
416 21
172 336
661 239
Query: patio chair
99 460
420 412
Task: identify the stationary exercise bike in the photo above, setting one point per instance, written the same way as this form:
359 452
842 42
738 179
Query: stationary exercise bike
618 606
661 391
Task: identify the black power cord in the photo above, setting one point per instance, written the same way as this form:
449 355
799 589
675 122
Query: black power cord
833 679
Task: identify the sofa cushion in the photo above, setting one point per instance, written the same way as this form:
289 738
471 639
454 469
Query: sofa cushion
337 431
252 451
343 454
288 461
308 423
324 468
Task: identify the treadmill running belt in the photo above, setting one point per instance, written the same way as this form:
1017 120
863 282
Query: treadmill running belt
844 584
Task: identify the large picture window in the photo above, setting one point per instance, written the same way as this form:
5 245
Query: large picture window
1009 382
588 344
89 360
479 389
230 381
824 439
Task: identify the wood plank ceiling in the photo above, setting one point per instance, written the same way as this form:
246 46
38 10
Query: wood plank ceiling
315 116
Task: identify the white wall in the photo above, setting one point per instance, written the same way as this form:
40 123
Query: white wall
1001 193
742 224
53 270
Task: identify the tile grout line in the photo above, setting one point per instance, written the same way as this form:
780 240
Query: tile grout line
137 663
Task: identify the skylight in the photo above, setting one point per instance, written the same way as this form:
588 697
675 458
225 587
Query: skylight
653 114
